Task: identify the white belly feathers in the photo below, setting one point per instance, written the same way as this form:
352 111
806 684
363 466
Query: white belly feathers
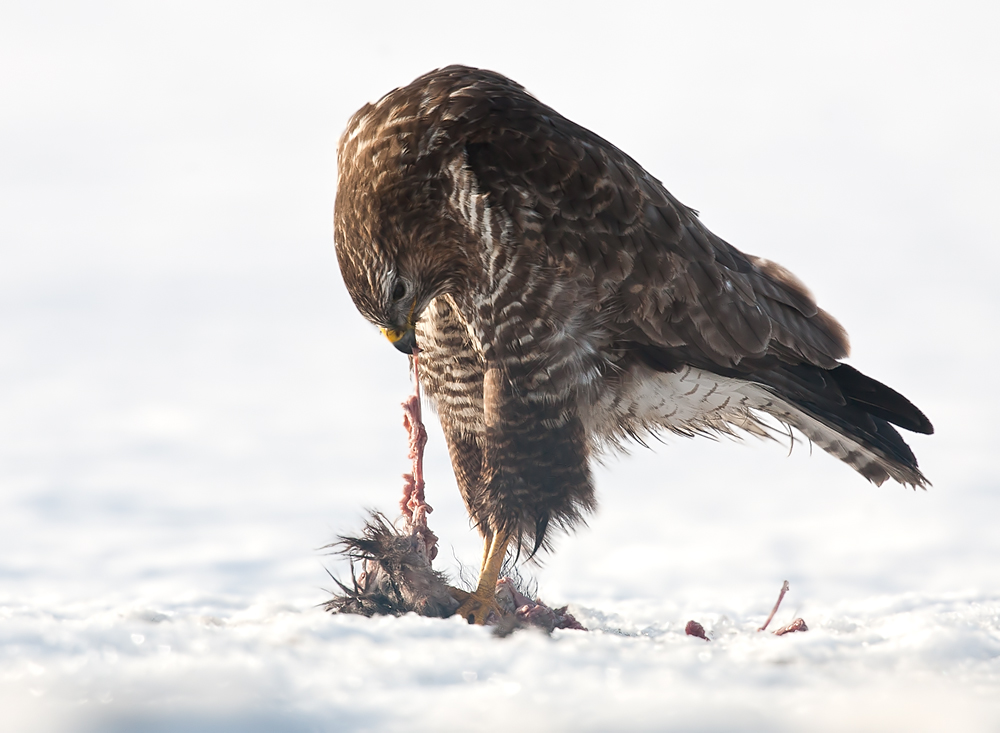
688 402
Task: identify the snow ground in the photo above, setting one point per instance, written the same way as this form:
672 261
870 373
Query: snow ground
191 408
904 662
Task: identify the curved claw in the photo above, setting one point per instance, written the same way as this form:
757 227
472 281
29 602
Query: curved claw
476 608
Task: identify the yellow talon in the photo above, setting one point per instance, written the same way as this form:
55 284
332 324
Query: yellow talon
476 606
476 609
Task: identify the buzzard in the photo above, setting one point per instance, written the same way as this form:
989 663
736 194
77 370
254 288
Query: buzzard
565 303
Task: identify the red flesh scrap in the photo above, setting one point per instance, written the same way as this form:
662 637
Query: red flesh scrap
413 505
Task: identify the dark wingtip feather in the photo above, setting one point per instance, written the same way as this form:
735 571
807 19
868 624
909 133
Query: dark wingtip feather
879 400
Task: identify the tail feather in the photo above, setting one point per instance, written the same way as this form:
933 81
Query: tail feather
878 453
848 414
843 411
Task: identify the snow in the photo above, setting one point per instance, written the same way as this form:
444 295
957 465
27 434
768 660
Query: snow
907 661
191 407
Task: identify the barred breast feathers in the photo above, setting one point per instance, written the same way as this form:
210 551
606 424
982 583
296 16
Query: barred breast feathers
528 307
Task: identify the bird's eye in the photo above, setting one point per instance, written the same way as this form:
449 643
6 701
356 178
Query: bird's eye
398 291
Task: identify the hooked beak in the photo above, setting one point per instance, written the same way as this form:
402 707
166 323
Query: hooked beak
405 341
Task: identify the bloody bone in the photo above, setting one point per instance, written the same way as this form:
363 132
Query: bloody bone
413 505
781 595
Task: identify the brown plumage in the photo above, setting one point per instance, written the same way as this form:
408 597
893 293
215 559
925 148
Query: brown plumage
566 302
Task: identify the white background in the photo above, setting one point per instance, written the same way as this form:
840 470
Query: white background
190 406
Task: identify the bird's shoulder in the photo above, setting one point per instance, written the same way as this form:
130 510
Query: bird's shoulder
656 269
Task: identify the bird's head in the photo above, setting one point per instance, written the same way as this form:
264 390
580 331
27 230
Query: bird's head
386 292
397 247
393 273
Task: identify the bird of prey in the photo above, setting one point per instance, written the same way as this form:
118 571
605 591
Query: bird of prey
565 303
